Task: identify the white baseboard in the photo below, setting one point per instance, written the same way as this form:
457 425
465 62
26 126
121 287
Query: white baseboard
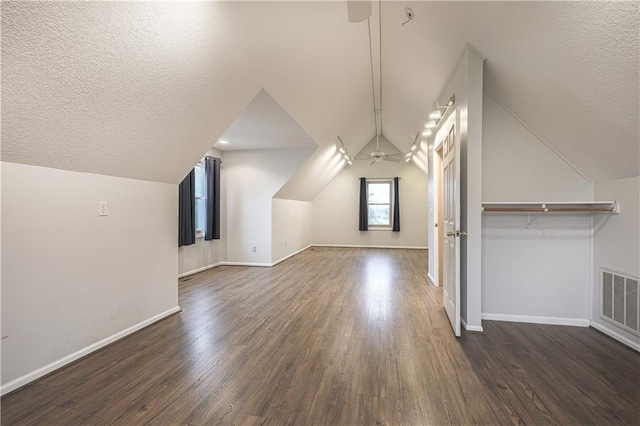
267 265
611 333
474 328
370 246
245 264
575 322
290 255
43 371
431 279
195 271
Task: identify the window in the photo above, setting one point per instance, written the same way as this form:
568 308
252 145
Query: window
201 204
379 203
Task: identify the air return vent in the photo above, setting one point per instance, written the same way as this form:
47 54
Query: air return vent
620 303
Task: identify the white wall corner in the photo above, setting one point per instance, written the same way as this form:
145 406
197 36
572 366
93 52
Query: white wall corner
195 271
471 328
291 255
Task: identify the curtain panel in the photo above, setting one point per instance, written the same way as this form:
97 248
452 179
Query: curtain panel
364 209
187 210
396 205
212 198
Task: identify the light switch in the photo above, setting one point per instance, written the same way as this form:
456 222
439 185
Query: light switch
102 208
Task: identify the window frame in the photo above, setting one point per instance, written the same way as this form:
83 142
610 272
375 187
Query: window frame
200 164
385 227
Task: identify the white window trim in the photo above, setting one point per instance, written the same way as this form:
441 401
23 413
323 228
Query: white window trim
381 227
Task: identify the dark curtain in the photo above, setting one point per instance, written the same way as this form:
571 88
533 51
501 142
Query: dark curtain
187 210
364 209
396 205
212 198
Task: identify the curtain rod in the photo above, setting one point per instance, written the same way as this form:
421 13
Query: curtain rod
202 159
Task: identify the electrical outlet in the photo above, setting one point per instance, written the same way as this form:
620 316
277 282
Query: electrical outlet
254 248
102 208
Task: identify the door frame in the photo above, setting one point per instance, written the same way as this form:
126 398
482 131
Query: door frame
438 189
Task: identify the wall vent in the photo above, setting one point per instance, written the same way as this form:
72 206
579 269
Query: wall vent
620 300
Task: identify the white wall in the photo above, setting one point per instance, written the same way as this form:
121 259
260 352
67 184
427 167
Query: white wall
205 254
71 278
466 84
252 179
335 208
291 227
616 241
538 269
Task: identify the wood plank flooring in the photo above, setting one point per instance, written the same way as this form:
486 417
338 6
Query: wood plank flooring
339 337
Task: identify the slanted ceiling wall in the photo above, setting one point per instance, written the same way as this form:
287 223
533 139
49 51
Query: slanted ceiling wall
253 178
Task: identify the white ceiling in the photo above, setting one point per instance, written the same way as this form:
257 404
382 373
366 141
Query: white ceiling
263 124
143 89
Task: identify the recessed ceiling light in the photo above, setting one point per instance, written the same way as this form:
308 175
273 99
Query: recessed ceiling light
430 124
427 132
223 142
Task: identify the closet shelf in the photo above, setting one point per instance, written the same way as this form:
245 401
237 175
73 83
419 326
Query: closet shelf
551 207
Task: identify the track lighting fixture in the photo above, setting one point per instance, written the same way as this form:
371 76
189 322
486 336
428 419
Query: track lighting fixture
342 148
436 116
413 148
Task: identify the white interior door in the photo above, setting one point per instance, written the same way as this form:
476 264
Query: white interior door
451 231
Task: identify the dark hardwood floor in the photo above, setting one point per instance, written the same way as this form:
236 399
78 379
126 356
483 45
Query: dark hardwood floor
335 336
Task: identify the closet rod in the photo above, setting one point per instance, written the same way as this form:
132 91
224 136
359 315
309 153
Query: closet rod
549 209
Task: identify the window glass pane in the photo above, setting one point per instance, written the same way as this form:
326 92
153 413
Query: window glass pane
199 181
201 206
379 193
201 214
379 215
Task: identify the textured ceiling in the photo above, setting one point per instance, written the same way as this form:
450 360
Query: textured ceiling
143 89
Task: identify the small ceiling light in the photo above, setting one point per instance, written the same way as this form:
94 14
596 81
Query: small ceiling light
431 124
350 161
406 160
223 142
342 150
427 132
435 114
414 148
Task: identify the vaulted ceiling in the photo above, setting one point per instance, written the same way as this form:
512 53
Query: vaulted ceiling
143 89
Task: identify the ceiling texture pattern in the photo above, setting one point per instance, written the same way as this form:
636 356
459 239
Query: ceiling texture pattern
143 89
